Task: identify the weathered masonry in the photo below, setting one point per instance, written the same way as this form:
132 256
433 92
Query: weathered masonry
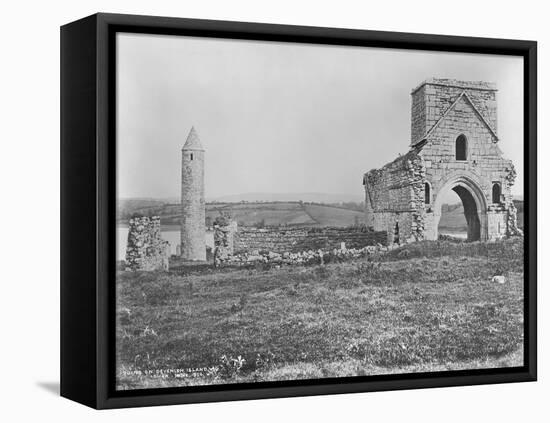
280 240
454 146
193 227
229 239
146 250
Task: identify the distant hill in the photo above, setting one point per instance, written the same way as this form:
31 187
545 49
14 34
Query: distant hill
129 206
309 197
284 213
452 219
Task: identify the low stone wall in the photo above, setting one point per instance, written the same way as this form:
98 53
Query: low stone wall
146 250
295 240
303 258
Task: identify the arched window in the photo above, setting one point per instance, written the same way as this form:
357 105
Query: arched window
191 156
461 147
396 233
427 194
496 193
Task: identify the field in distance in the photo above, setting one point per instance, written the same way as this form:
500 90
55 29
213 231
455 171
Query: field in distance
453 220
277 213
284 213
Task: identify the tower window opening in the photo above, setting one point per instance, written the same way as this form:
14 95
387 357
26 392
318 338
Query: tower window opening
461 147
396 233
191 156
496 193
427 193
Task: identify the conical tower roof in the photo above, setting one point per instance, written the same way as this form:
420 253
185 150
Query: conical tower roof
193 141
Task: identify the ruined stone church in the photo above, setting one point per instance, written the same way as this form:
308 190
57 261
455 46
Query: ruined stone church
453 146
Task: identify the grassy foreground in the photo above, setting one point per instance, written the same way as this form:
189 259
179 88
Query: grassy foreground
423 307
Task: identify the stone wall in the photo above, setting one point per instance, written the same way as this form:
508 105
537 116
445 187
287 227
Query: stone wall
281 240
395 196
146 250
224 233
244 244
302 257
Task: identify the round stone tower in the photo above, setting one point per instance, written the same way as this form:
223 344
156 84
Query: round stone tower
193 229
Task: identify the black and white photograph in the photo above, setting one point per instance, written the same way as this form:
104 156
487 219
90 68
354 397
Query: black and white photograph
293 211
275 211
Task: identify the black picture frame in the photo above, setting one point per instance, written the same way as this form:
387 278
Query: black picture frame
88 208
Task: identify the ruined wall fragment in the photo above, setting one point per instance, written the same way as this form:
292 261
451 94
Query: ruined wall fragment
145 249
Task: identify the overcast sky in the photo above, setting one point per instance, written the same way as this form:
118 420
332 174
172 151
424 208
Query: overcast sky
282 117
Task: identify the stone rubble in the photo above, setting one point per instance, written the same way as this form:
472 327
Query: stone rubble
302 257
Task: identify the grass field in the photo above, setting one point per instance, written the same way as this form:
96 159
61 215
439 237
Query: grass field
423 307
255 214
270 214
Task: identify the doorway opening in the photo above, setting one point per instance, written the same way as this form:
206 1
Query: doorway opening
459 215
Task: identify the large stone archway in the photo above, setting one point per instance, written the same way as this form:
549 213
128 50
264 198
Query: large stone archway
454 146
473 201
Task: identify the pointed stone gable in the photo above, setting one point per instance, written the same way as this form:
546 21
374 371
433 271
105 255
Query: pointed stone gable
193 141
461 119
462 104
435 97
